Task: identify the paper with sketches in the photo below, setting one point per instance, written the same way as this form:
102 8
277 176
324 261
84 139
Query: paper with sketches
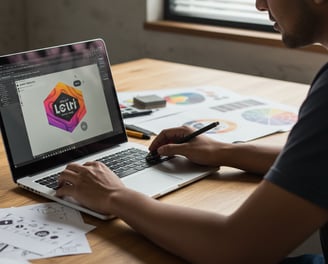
77 246
42 230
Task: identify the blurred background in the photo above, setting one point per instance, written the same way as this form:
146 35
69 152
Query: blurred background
32 24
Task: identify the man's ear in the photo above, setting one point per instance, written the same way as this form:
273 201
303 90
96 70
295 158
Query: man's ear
318 2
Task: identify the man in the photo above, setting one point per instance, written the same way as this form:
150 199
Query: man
287 207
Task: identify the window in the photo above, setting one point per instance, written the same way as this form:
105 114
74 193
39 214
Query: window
231 13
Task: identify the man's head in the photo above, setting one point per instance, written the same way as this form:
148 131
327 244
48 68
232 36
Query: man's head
301 22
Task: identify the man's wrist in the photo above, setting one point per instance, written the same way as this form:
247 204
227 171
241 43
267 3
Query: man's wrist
120 199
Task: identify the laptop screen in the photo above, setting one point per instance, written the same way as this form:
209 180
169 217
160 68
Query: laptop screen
56 105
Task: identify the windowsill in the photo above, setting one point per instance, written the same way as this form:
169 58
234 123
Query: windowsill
240 35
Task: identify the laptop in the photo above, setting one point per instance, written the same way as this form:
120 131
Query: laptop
59 105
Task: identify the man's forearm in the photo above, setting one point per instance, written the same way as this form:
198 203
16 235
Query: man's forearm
180 230
253 158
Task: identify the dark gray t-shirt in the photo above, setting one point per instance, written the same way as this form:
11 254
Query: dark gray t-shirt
302 166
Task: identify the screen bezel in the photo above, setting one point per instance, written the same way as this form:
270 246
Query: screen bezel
61 159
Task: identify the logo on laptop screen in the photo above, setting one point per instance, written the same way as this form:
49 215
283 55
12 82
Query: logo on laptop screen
65 107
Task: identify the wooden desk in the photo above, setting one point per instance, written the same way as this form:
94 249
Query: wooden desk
113 241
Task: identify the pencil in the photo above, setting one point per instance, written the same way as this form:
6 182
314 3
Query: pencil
136 134
197 132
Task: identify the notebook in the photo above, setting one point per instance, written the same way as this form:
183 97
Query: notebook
59 105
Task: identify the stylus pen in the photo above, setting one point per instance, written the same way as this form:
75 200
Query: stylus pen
154 157
197 132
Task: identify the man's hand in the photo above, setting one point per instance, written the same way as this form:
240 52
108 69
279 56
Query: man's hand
90 184
201 149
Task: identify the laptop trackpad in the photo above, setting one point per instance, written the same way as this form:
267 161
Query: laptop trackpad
165 177
152 183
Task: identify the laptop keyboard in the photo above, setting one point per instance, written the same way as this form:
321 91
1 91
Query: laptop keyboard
123 163
126 162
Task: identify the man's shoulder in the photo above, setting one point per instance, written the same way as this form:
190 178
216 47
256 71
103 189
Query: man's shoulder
322 74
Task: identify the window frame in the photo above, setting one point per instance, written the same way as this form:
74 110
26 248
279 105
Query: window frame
168 15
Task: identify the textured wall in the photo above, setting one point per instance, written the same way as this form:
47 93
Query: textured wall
29 24
61 21
277 63
12 29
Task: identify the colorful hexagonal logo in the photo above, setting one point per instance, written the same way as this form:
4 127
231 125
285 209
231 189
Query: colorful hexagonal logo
65 107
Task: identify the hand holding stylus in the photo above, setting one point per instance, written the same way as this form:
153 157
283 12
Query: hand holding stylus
154 157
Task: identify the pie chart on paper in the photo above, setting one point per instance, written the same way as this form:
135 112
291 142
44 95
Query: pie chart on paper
270 116
225 126
185 98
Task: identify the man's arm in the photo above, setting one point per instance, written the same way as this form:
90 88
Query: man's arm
250 157
270 224
206 151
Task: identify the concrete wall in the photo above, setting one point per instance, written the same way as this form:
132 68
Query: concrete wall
277 63
120 23
12 26
29 24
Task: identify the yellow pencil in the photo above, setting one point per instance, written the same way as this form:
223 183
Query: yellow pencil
136 134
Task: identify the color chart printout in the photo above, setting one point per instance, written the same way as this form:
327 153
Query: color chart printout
258 111
180 99
240 120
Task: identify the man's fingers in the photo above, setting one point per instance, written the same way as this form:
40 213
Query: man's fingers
74 167
169 135
67 176
65 189
171 149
